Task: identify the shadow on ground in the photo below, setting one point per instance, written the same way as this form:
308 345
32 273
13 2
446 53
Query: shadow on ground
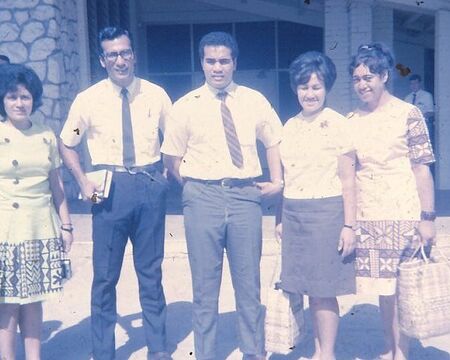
364 322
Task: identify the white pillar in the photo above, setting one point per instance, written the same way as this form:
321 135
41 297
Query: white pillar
442 98
360 14
383 31
337 47
83 44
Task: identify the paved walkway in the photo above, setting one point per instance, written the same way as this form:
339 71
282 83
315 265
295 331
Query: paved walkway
66 318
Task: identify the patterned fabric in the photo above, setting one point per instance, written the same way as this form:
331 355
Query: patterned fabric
29 270
387 142
382 245
420 151
230 131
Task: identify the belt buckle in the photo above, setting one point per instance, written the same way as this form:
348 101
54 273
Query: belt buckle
226 182
131 172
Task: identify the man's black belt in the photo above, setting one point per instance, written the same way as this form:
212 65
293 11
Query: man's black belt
228 182
131 170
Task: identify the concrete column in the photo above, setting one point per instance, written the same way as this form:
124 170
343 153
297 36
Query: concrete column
337 47
360 16
383 31
442 99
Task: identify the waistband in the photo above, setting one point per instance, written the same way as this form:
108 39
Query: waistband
151 168
226 182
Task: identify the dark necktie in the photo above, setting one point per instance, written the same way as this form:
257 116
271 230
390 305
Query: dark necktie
230 132
129 157
414 99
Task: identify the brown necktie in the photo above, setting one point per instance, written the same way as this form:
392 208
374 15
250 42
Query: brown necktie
129 157
230 132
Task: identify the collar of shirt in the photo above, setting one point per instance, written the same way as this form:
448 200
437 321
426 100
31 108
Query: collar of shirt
230 90
133 88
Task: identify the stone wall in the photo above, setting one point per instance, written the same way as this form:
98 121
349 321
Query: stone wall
43 35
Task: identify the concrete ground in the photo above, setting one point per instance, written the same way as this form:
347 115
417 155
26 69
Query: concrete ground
66 318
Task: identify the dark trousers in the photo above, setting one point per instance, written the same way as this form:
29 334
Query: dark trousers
135 210
217 218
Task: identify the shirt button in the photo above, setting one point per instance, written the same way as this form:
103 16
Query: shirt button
7 140
15 163
16 181
15 205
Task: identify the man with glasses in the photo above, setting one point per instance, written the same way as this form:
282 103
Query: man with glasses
121 117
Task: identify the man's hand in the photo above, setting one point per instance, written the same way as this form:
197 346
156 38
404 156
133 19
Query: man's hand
270 188
347 241
89 192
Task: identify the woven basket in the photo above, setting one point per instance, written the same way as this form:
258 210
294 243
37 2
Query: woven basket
284 322
424 296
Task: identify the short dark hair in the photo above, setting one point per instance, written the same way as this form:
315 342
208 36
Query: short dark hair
13 75
218 38
311 62
5 58
376 56
111 33
415 77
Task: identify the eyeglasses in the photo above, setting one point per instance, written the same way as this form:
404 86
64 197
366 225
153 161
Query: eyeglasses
126 54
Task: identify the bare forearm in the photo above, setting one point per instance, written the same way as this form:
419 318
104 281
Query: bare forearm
274 163
172 163
425 187
58 195
72 162
346 165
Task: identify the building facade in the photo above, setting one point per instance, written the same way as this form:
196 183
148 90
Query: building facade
57 38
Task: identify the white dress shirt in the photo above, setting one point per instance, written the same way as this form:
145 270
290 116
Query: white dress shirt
195 132
97 112
424 101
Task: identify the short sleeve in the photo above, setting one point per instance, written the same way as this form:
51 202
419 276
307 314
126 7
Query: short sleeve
176 133
269 128
420 149
54 157
344 136
76 124
165 111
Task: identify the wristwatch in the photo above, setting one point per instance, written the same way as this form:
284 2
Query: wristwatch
428 215
67 228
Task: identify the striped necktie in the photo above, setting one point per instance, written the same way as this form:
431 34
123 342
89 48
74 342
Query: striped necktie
230 132
128 153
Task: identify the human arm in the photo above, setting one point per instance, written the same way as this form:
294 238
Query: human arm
72 162
60 202
346 171
172 163
275 185
425 189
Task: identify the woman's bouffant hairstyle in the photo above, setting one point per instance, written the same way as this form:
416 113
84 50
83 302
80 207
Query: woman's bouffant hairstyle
311 62
376 56
13 75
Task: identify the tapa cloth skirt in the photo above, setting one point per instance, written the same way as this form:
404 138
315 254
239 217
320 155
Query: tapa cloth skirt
311 263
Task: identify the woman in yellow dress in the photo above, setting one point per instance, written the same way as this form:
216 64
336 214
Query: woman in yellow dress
35 227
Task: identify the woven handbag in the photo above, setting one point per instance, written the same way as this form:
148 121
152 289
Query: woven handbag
284 322
424 295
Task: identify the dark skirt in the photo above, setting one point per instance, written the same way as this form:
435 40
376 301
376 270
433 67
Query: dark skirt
311 264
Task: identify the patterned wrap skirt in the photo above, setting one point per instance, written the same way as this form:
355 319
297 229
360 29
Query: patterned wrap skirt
311 263
380 247
31 254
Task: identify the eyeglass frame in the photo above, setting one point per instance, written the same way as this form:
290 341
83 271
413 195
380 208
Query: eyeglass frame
123 54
